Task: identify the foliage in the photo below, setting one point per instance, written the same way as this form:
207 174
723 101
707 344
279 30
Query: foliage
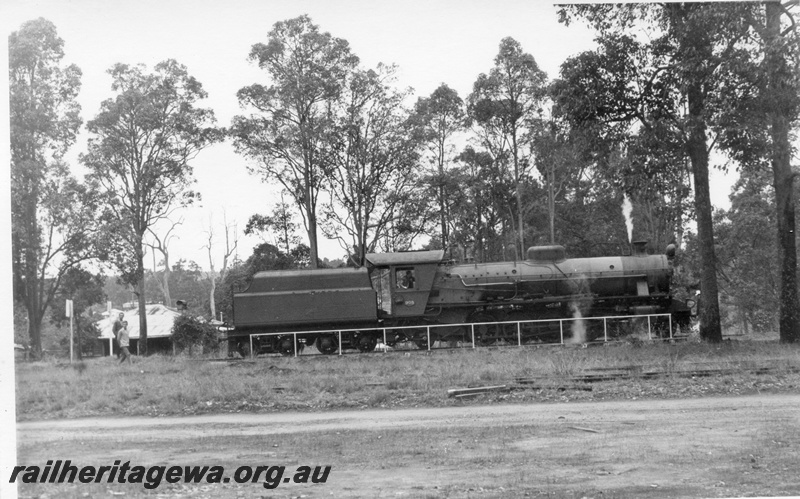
141 145
438 118
286 136
748 255
481 210
83 288
53 215
117 292
187 282
504 104
189 333
371 157
661 91
280 224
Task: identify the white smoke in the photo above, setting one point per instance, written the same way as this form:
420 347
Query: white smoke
627 209
578 325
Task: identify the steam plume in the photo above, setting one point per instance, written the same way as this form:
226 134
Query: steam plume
627 208
578 325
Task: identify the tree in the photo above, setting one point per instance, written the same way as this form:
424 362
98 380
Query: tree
53 215
280 224
439 117
190 284
749 268
231 243
481 209
672 83
84 289
371 159
141 146
161 244
504 103
759 132
286 136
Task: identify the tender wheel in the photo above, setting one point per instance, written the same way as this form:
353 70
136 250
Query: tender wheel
285 345
327 344
366 342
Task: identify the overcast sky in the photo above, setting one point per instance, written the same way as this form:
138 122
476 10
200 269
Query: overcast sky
431 41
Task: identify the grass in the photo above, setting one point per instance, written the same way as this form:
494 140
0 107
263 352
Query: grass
165 385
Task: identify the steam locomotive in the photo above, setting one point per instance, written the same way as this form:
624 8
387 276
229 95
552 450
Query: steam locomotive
420 297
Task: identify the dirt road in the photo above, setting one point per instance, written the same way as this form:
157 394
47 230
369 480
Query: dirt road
703 447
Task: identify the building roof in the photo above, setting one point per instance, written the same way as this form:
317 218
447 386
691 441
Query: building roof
159 321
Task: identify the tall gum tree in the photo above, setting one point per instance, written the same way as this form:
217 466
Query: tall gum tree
372 158
286 136
782 109
52 213
439 117
140 147
690 50
503 104
758 134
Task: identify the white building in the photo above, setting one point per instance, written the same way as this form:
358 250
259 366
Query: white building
160 319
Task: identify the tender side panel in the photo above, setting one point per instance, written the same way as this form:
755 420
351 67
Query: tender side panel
306 298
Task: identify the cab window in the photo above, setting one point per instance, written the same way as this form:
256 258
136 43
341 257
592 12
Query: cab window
405 278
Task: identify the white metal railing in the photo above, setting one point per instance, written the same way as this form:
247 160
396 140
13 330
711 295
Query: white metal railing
471 326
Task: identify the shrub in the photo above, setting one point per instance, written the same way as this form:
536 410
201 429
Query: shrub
189 333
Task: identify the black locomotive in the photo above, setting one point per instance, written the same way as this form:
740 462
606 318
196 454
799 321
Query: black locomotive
420 298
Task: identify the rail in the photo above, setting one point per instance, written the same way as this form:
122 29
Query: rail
471 326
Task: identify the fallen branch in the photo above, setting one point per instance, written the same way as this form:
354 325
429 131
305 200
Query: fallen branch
456 392
583 429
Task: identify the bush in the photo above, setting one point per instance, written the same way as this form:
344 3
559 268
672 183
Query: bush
189 333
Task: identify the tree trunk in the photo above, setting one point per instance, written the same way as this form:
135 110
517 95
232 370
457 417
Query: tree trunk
212 302
551 203
518 179
167 296
778 91
710 327
142 345
312 238
35 331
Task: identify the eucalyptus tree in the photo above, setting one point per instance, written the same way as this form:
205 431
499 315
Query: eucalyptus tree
758 129
372 156
668 82
439 117
504 103
280 225
52 214
140 148
480 211
289 129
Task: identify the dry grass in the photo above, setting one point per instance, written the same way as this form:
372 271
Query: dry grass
179 385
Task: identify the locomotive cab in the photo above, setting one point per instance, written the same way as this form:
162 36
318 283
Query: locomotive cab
403 281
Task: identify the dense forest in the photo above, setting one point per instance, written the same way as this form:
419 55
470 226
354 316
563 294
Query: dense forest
617 147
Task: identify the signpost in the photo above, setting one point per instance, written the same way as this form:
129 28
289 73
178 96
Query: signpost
70 314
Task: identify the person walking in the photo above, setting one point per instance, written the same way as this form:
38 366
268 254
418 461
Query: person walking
124 343
115 329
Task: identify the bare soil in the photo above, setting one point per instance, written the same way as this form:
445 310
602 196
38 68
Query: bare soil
698 447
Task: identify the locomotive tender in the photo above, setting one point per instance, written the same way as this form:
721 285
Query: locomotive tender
450 302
